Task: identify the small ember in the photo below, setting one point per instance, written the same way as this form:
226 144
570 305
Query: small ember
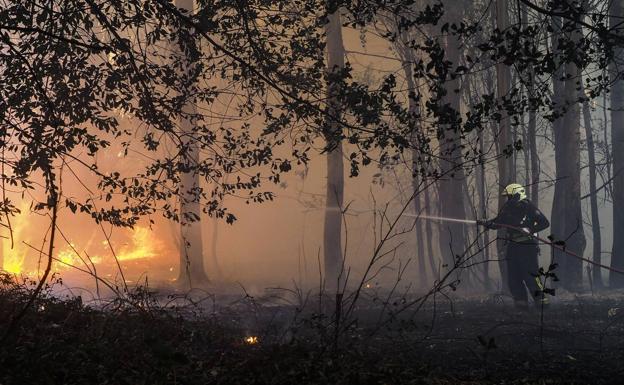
251 340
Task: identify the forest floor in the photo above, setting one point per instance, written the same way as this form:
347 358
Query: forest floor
137 340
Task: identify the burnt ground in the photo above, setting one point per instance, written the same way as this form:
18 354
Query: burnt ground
478 341
577 341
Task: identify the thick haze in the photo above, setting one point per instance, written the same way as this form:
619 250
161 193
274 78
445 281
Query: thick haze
273 243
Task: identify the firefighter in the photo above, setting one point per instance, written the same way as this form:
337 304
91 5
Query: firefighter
522 247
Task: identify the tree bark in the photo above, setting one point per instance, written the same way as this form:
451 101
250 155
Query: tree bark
450 186
419 230
414 112
605 138
483 213
567 219
192 271
429 234
616 10
526 157
531 128
534 155
558 105
332 237
480 208
506 172
214 256
595 215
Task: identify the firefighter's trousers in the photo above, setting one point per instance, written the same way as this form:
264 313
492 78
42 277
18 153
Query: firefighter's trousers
522 266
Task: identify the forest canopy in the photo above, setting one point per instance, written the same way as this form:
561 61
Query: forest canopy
243 88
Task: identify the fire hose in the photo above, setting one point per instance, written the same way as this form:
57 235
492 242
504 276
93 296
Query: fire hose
551 243
561 248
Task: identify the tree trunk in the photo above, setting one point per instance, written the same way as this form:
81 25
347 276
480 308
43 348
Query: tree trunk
480 208
332 237
506 172
473 245
526 158
481 186
595 215
531 128
534 155
429 234
567 220
416 143
605 132
418 228
558 105
616 10
192 272
214 256
450 186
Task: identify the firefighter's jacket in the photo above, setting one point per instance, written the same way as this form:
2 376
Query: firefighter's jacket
520 214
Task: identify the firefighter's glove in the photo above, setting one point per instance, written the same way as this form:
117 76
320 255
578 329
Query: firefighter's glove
528 232
488 224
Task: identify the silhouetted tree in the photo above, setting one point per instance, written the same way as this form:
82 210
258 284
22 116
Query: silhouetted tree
332 235
192 272
616 12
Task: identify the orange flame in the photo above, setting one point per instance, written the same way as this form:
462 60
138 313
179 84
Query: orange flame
144 245
14 254
67 257
251 340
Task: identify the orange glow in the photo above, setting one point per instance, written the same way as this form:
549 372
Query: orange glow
251 340
143 245
20 259
67 257
13 262
14 256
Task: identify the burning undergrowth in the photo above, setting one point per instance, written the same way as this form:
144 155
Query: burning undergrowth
125 255
285 337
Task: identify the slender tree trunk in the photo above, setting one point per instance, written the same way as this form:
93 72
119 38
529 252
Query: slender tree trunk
506 172
429 233
575 233
557 227
616 10
473 244
595 215
534 155
414 111
452 240
332 237
429 195
567 219
526 156
531 128
420 241
214 256
480 208
605 138
481 186
192 270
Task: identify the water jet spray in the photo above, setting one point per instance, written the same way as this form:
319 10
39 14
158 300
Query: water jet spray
442 219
